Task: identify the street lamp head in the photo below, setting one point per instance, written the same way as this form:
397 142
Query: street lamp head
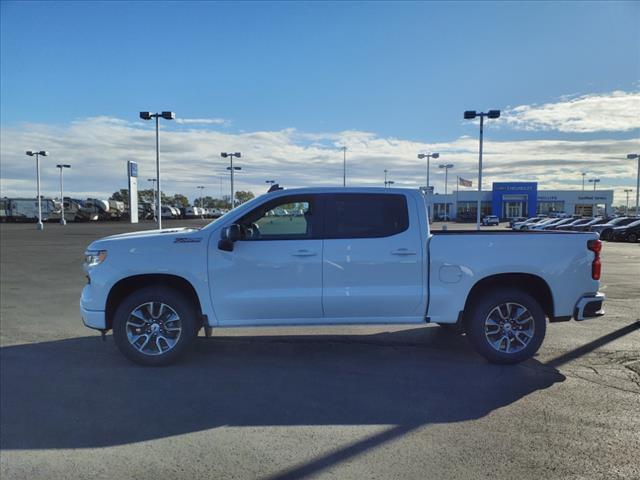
420 155
145 115
237 154
63 165
168 115
493 114
30 153
442 165
435 155
235 168
469 115
224 154
43 153
630 156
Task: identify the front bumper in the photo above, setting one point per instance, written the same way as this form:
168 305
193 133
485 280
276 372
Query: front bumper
93 318
589 306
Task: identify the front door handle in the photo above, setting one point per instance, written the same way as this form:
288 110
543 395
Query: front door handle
303 253
402 251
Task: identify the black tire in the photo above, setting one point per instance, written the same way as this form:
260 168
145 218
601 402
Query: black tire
604 235
485 305
163 295
632 237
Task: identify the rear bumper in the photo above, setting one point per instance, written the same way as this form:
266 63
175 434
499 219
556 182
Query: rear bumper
589 306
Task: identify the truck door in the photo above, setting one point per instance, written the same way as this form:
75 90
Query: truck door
372 258
274 273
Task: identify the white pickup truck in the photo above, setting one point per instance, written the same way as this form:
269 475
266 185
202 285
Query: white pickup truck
338 256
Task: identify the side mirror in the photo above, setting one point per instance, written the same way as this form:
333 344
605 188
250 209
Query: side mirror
228 236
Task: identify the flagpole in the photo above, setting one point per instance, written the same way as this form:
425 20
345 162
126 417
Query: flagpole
457 199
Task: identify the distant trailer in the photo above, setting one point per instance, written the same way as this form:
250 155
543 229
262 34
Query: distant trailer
4 204
26 209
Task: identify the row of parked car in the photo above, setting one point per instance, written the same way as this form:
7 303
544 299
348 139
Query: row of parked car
617 229
169 211
92 209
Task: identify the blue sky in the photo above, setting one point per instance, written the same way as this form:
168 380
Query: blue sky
389 71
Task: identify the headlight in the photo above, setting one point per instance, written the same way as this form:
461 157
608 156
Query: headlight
94 257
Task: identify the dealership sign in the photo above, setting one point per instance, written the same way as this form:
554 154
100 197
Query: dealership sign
132 175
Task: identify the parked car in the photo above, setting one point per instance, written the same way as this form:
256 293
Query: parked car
628 233
364 255
557 224
490 220
530 221
548 223
605 229
571 224
515 220
584 227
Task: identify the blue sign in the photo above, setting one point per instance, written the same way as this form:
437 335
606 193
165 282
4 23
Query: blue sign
133 169
524 192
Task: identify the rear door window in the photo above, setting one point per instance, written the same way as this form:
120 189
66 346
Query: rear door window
361 215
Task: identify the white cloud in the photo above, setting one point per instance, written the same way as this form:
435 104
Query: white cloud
616 111
202 121
98 149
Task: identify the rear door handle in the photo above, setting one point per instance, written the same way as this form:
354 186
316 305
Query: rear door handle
303 253
402 251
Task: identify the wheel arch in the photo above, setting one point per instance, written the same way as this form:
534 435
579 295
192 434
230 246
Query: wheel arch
532 284
128 285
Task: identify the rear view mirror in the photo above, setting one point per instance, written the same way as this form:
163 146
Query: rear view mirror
229 235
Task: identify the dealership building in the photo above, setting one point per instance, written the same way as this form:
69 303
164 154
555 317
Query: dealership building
519 199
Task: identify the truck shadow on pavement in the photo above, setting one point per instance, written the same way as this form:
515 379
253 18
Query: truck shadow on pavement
81 393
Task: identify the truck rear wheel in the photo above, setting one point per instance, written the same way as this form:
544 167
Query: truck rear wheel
506 326
154 326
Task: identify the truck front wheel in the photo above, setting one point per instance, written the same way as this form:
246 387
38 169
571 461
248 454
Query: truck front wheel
154 326
506 326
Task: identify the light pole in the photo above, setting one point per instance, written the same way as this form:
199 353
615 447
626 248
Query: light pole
344 166
470 115
632 156
232 169
44 153
446 167
62 166
428 156
595 205
157 116
446 174
153 181
385 178
626 208
201 188
583 174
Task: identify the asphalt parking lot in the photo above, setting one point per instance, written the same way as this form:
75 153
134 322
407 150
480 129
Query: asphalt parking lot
340 403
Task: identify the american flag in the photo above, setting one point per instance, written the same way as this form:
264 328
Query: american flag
465 183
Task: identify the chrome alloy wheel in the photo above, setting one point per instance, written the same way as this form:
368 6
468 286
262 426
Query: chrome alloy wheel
509 327
153 328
